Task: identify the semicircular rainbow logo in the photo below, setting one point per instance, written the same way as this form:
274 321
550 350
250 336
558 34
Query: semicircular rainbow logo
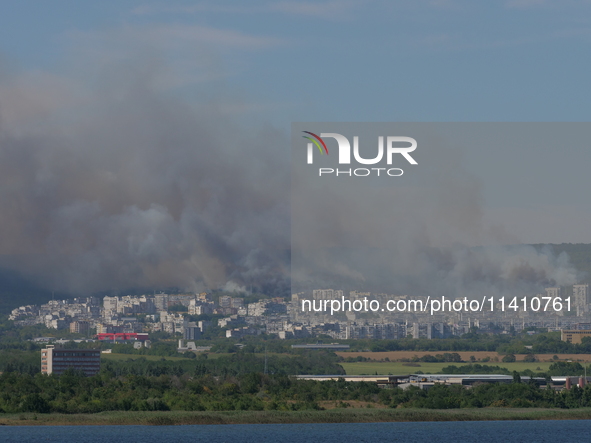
315 140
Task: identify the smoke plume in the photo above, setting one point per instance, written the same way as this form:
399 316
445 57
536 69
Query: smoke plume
423 233
117 183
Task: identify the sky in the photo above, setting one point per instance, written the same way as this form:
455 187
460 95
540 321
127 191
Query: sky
120 91
437 60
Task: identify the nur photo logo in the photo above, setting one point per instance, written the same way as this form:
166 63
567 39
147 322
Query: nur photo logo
388 148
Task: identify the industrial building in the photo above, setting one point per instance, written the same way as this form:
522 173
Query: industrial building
122 336
574 336
426 381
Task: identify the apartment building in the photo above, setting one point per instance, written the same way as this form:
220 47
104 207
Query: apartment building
58 360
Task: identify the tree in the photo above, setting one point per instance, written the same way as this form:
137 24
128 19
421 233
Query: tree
565 368
516 377
35 403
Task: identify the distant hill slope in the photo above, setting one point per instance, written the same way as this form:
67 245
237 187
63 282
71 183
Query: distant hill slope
16 290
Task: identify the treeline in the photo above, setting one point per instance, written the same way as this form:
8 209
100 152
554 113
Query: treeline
513 395
231 365
74 393
223 365
544 343
444 350
559 368
222 383
517 343
540 343
437 358
19 360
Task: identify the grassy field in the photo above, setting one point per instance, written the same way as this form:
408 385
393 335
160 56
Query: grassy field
126 357
465 355
398 368
257 354
365 368
263 417
210 355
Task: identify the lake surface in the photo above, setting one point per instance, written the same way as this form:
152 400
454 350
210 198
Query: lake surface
554 431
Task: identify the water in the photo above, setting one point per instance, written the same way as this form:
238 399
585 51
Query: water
555 431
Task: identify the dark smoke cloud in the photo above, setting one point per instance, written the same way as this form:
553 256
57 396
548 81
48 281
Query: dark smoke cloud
116 182
120 184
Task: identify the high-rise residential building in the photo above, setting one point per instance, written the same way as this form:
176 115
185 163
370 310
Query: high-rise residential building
161 302
147 304
204 297
191 331
553 292
581 299
323 294
79 327
192 307
58 360
110 303
225 301
237 302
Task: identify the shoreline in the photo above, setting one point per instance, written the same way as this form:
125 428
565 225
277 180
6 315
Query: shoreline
163 418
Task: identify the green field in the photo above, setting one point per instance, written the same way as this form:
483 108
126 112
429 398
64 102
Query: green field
126 357
210 355
398 368
256 354
363 368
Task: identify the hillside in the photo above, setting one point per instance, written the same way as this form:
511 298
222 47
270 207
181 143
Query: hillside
16 290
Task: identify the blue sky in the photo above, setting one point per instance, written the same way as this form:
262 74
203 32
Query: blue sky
439 60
